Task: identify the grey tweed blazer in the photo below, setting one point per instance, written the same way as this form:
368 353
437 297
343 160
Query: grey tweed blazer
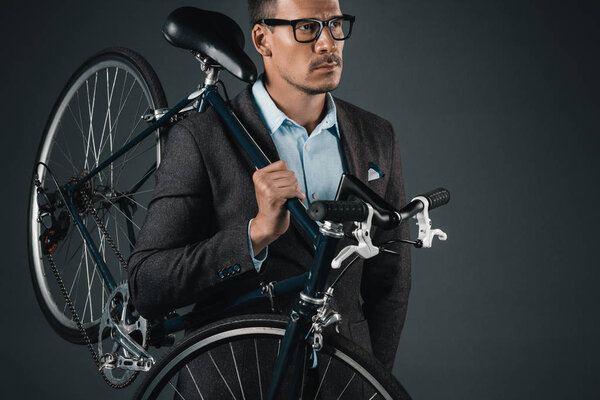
197 223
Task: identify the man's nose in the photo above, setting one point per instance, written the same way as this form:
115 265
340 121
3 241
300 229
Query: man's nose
325 43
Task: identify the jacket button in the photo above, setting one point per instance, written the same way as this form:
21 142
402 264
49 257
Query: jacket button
221 274
230 271
236 268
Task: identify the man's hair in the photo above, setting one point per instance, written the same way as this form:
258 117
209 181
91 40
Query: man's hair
261 9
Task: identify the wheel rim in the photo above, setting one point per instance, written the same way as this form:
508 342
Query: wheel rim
99 112
339 384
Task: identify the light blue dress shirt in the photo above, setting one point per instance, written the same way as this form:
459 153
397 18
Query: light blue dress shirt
316 159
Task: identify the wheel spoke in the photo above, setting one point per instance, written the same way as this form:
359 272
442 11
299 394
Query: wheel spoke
123 105
323 378
111 124
80 115
126 236
195 383
83 138
176 391
88 140
137 118
117 240
61 165
127 218
91 107
68 245
117 225
237 371
87 270
126 160
129 197
107 119
222 377
346 387
75 118
69 156
258 370
77 272
95 148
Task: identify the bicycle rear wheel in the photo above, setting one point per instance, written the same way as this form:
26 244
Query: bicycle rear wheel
99 110
234 358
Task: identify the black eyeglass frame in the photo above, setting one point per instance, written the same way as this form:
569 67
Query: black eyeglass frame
293 22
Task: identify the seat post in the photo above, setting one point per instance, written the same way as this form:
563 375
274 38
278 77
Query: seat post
210 68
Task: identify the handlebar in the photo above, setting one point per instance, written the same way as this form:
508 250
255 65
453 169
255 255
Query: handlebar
342 211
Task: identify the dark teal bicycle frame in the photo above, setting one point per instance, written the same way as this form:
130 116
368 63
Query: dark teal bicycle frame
312 282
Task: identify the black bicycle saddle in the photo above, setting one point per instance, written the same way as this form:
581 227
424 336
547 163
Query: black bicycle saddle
213 35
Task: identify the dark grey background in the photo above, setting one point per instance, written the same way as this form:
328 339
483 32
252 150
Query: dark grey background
496 100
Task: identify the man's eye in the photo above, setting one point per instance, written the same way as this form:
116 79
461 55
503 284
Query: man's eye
336 24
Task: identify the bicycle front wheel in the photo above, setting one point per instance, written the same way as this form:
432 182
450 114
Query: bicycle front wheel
100 109
234 359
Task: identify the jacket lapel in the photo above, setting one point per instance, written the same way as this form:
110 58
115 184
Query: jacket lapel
357 152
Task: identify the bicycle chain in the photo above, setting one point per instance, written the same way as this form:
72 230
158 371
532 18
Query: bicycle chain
69 303
111 242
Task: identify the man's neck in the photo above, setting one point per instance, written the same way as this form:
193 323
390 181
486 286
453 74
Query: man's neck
305 109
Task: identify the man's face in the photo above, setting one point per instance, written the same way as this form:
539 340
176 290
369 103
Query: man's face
314 67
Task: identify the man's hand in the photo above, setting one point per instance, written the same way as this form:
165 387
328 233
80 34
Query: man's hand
273 186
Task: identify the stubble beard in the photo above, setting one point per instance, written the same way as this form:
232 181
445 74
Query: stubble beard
313 90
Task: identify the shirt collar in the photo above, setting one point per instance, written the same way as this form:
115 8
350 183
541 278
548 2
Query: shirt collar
273 117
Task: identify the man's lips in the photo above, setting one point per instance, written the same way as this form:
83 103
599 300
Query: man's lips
327 62
327 66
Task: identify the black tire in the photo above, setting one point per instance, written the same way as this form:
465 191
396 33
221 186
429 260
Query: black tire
339 359
97 112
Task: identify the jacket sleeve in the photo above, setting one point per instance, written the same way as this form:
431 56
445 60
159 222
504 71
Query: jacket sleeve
180 254
385 282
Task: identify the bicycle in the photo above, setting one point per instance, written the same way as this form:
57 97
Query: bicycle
86 209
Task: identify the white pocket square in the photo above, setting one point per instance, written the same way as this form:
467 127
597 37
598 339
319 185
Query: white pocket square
374 172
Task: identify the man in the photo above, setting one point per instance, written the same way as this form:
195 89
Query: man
217 227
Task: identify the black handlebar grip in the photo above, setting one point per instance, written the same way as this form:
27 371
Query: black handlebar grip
338 211
437 197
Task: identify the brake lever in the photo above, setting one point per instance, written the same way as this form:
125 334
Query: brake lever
426 234
364 248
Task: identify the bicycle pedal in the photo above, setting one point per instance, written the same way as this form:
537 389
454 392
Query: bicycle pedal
135 364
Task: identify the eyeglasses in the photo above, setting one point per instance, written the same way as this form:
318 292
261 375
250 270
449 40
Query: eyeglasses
308 30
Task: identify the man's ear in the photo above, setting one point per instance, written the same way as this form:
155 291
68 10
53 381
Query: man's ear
260 38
